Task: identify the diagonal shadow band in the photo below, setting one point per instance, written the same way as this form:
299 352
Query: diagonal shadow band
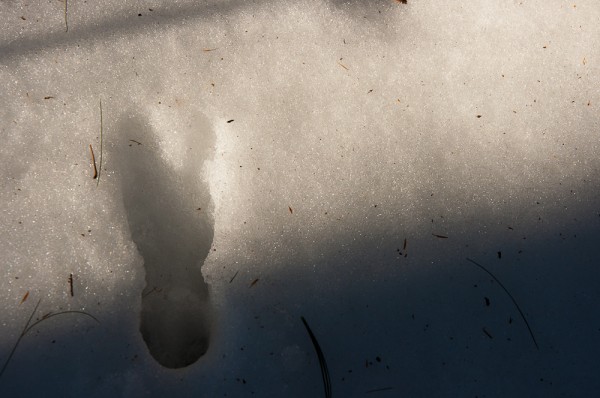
173 238
112 26
161 18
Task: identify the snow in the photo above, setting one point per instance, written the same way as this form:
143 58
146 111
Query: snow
264 161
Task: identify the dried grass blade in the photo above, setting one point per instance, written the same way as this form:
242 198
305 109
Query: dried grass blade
94 163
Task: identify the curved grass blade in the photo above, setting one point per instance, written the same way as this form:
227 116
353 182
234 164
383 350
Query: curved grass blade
511 297
324 371
12 352
59 313
28 327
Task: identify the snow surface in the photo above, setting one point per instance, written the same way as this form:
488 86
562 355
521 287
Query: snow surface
336 160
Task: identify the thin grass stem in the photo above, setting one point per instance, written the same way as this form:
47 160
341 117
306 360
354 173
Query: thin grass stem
66 13
324 371
25 329
28 327
60 313
511 297
101 146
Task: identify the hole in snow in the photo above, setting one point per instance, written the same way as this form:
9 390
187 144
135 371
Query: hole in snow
172 236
